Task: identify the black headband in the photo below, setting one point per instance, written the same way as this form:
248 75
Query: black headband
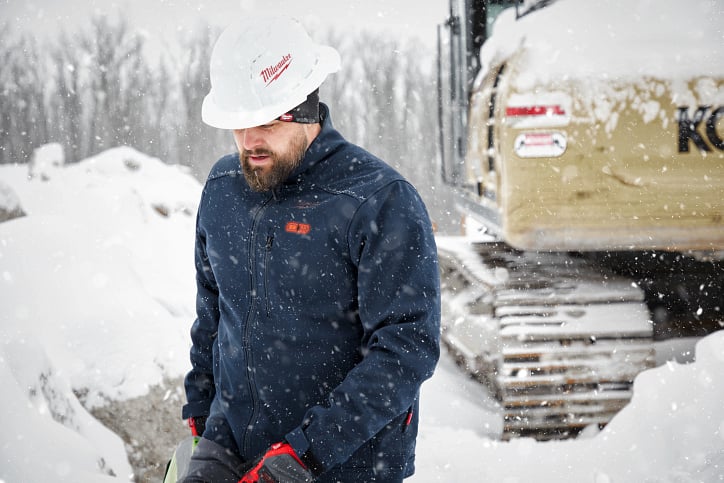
305 113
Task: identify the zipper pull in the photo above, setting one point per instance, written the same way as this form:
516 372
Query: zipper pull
408 419
269 242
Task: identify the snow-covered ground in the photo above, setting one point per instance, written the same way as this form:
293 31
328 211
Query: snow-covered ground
97 296
97 293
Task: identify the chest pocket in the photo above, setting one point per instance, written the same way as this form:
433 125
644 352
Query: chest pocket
307 269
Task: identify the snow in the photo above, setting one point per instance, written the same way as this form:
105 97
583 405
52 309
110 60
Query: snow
614 39
624 53
9 202
672 431
97 289
45 159
48 434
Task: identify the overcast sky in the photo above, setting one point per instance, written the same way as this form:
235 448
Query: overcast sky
163 18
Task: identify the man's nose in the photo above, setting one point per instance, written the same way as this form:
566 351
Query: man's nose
251 138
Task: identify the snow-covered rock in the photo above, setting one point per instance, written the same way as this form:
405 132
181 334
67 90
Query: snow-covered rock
9 204
45 161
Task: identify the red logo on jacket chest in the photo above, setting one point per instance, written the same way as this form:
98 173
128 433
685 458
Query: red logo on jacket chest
298 228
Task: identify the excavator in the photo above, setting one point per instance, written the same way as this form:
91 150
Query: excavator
587 159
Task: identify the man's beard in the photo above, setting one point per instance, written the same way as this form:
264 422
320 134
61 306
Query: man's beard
282 164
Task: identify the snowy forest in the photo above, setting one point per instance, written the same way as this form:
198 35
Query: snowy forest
97 88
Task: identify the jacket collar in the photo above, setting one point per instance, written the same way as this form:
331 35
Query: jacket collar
324 145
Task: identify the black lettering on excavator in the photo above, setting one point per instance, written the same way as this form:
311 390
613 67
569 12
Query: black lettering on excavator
688 128
711 128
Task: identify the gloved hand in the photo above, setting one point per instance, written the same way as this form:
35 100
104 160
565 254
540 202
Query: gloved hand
197 425
280 464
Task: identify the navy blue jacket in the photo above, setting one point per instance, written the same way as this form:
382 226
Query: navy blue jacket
318 312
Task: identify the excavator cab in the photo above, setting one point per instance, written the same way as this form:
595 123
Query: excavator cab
460 38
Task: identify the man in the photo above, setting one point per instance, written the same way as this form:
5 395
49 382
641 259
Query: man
318 286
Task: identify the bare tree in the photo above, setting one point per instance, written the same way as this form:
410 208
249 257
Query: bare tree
383 99
119 77
199 144
7 94
159 132
67 104
22 107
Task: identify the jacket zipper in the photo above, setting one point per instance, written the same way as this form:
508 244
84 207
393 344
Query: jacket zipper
267 259
247 329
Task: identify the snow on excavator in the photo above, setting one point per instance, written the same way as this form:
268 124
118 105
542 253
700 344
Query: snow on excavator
586 139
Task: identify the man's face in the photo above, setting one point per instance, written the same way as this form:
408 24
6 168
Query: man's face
269 153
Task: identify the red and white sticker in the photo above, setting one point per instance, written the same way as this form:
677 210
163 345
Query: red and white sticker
540 144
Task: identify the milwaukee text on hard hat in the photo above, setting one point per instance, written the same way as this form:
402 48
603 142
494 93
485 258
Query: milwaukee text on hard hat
272 73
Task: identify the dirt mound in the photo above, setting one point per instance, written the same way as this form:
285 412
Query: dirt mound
150 426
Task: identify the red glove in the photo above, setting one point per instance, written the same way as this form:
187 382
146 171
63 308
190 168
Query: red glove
280 464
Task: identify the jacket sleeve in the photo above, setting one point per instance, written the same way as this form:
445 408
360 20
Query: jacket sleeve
398 284
199 382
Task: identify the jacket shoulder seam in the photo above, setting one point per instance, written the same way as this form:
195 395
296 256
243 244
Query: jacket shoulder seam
221 174
349 193
365 199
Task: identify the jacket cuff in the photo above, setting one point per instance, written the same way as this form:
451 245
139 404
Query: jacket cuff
195 409
300 444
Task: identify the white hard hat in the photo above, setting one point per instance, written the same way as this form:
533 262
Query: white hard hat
262 67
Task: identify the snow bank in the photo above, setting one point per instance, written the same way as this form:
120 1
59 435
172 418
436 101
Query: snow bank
672 431
48 435
680 407
97 289
106 251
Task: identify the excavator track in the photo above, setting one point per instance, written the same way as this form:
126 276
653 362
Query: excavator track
556 338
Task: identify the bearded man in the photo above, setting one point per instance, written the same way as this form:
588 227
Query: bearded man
318 302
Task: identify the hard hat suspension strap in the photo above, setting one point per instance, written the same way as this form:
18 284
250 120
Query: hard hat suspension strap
305 113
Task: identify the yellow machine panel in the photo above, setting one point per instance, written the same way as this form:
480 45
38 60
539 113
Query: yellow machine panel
643 179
